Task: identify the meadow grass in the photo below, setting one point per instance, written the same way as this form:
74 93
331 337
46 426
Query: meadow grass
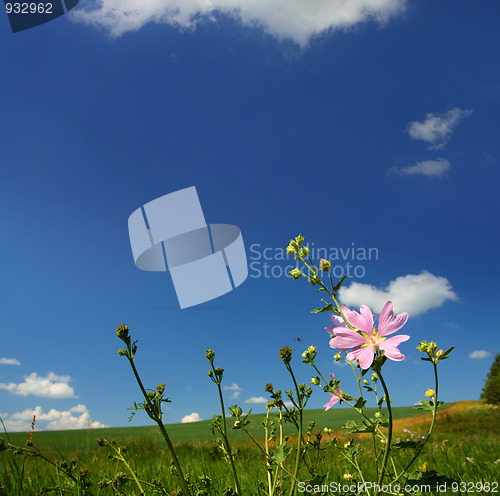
465 446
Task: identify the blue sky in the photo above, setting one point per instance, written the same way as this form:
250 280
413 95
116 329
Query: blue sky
368 131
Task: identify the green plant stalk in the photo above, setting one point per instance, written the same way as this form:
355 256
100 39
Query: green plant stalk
38 453
226 440
268 465
157 418
343 399
122 458
268 456
300 428
431 427
389 434
332 296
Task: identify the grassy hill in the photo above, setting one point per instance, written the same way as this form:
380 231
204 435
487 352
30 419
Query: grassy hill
190 432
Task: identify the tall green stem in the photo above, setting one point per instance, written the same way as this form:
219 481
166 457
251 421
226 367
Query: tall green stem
226 440
431 427
156 416
389 435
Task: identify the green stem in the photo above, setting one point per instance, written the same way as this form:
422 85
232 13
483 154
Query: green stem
299 440
389 435
280 465
156 416
268 465
122 458
431 427
226 440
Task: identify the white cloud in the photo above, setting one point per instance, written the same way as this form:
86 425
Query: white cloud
256 400
436 129
51 386
52 420
479 354
194 417
429 168
9 361
297 20
236 390
413 293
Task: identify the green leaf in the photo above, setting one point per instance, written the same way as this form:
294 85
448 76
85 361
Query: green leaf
429 478
360 403
281 453
327 308
351 427
425 405
408 444
339 284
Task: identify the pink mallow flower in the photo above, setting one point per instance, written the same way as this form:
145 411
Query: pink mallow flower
370 339
334 398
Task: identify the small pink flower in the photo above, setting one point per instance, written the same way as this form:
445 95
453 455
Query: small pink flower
334 398
370 339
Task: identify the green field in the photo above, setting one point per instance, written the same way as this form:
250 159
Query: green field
465 447
190 432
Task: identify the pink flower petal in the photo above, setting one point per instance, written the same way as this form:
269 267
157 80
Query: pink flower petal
333 400
338 322
363 322
390 347
387 323
347 338
365 356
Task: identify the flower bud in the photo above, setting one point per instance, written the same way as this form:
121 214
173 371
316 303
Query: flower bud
309 355
430 393
365 382
374 377
122 332
439 353
296 274
347 476
299 239
209 355
304 251
316 381
285 354
325 265
337 357
290 250
378 415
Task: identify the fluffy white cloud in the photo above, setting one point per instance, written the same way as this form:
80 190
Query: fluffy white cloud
9 361
51 386
413 293
479 354
52 420
235 388
194 417
256 400
297 20
430 168
436 129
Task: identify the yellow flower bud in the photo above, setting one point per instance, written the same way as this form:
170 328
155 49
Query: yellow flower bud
430 393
